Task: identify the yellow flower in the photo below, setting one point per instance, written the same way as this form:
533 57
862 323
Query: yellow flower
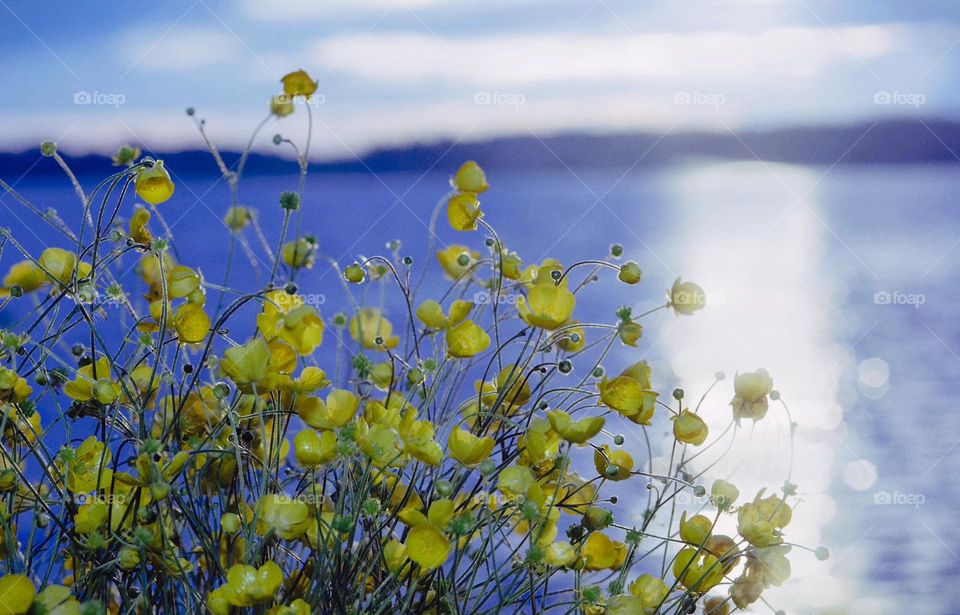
614 465
181 282
759 521
237 218
13 388
247 586
427 546
716 605
696 570
650 590
286 517
431 314
466 340
470 178
576 432
695 530
686 297
24 274
467 448
247 363
55 600
154 185
458 261
690 428
630 273
368 325
745 591
546 305
93 382
630 332
191 323
285 316
60 263
572 339
138 226
340 407
560 554
602 553
312 449
16 594
463 211
88 467
723 494
281 105
298 83
510 264
299 253
750 392
630 394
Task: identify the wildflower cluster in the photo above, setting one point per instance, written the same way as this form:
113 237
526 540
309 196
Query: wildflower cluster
435 456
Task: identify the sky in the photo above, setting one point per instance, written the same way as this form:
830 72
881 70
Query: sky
94 74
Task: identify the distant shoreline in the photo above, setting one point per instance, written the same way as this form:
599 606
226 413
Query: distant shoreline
889 141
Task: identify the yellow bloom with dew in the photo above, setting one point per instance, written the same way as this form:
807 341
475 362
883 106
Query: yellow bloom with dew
614 465
88 467
696 570
470 178
372 330
468 448
723 494
466 340
299 253
288 317
312 449
650 590
138 226
191 323
457 261
247 363
689 428
281 105
60 265
341 406
630 273
546 305
286 517
576 432
16 594
24 274
686 297
463 211
750 391
93 382
153 184
695 530
298 83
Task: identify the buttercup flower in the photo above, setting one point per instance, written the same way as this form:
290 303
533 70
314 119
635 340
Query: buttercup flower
457 261
93 382
16 594
24 274
283 515
630 394
613 464
466 340
248 363
191 323
431 314
467 448
138 226
287 317
463 210
60 264
546 305
760 521
153 184
686 298
313 449
576 432
750 395
690 428
696 529
298 83
723 494
237 218
650 590
696 570
368 325
88 467
281 105
247 586
630 332
340 407
13 388
299 254
470 178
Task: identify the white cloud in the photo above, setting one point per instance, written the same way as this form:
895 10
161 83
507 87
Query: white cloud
298 10
532 58
179 49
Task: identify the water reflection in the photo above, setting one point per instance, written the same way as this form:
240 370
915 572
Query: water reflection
754 232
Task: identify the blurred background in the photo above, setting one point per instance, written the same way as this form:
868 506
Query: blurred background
798 159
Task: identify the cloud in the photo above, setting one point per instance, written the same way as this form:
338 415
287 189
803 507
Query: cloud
179 49
298 10
524 59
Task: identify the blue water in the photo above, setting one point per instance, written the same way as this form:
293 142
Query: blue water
859 264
